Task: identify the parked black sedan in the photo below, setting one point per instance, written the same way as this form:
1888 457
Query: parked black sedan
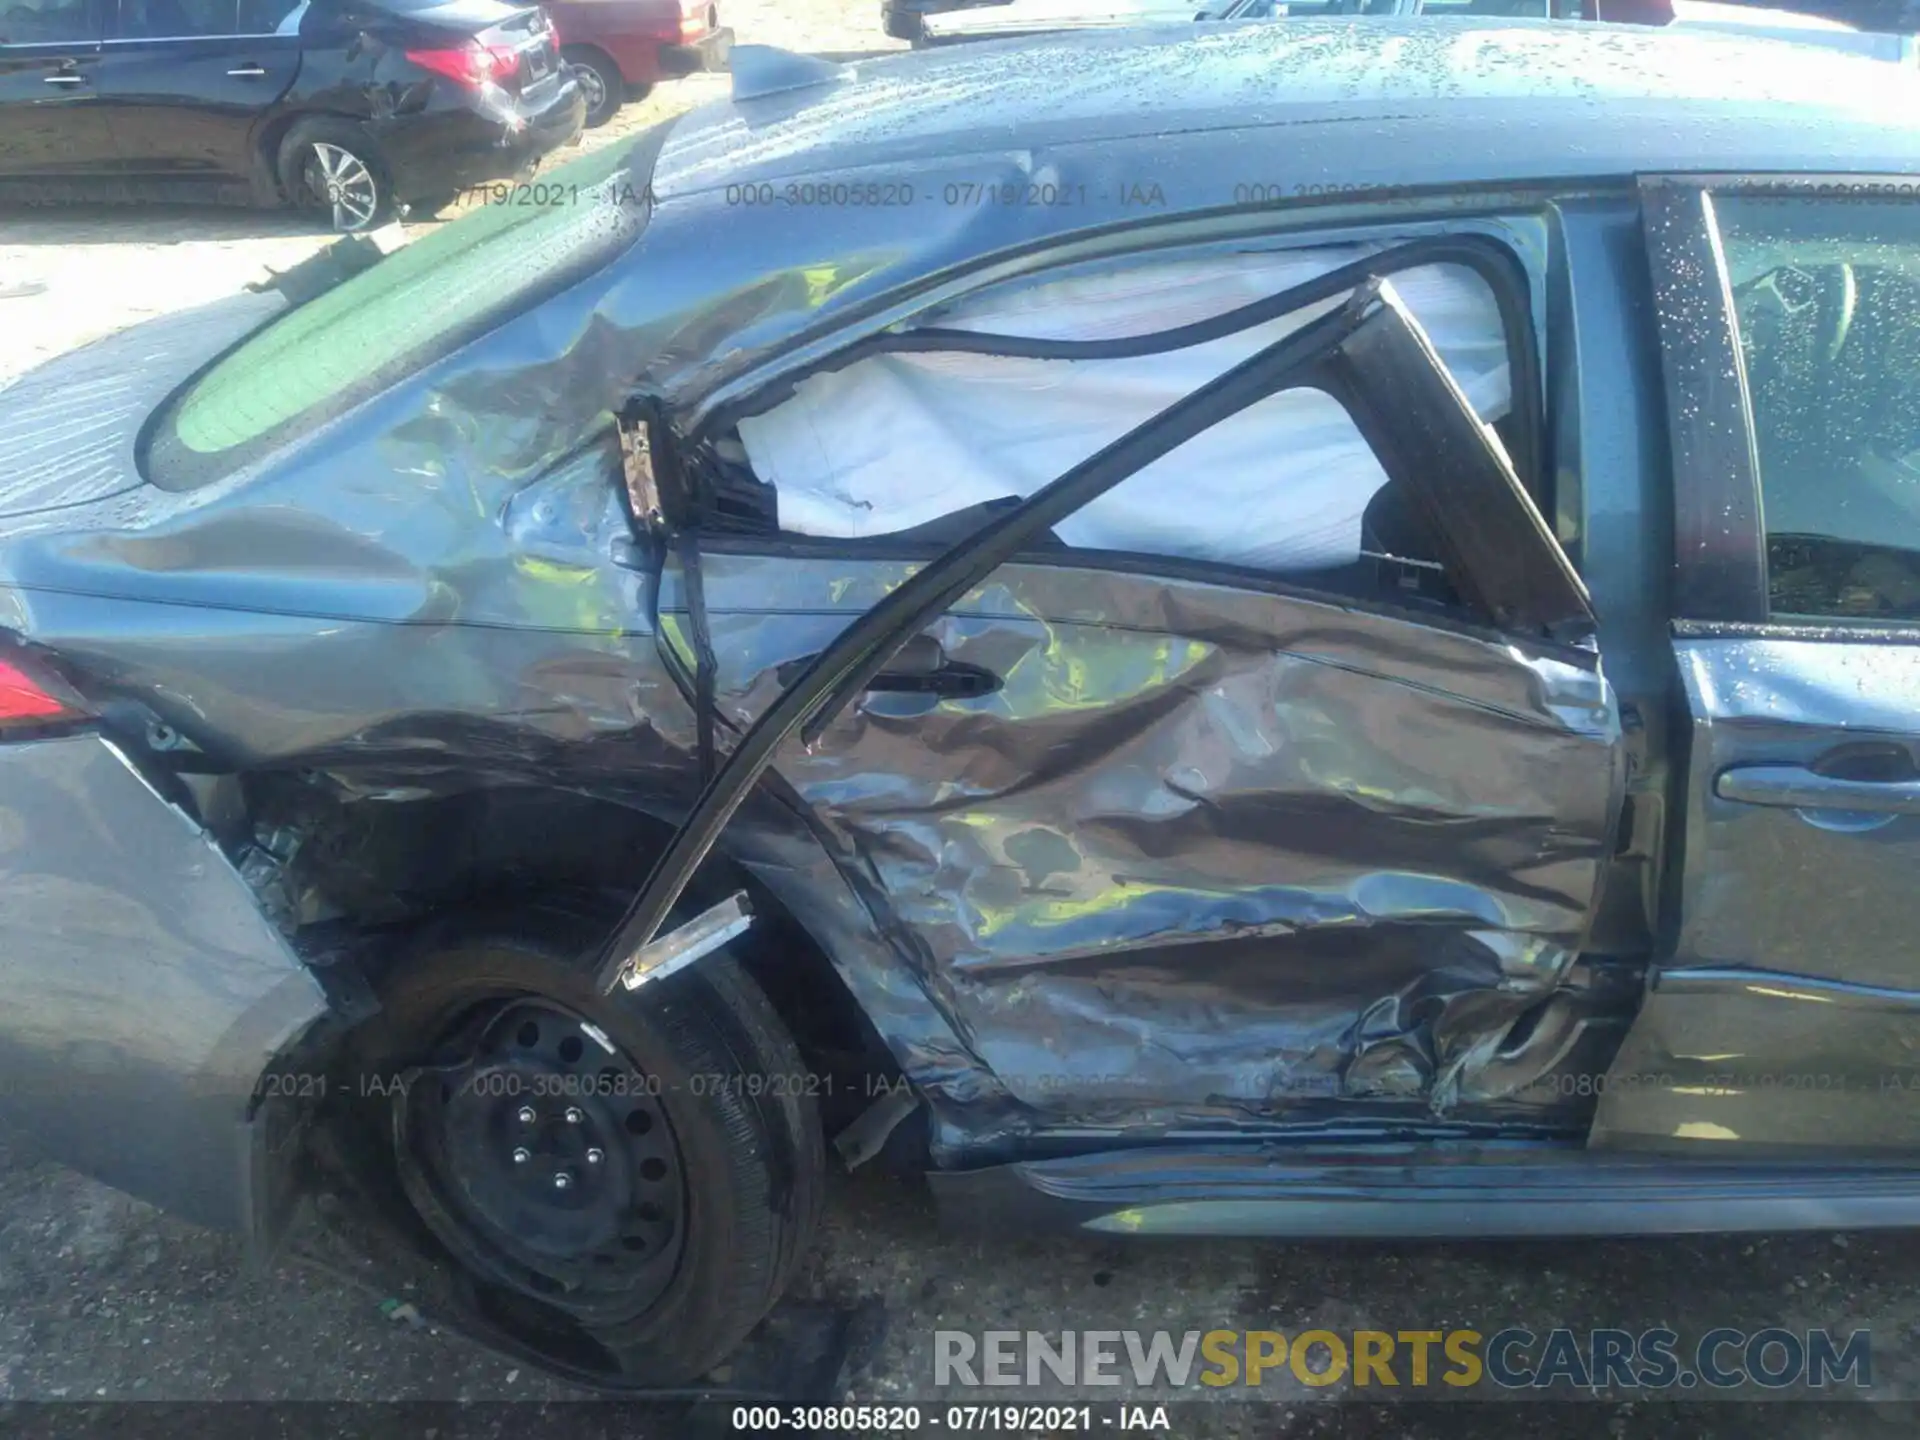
351 107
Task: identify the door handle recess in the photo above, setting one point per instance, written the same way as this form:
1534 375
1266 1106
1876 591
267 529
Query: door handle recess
248 72
1794 787
921 668
951 681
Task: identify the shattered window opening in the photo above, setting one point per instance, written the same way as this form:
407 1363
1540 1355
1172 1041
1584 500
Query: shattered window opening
1429 434
1021 381
1005 388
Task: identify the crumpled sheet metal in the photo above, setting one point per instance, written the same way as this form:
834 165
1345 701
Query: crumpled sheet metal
441 592
1181 870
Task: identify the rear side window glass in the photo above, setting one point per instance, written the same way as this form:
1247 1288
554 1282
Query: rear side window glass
46 22
415 306
1827 297
270 17
174 19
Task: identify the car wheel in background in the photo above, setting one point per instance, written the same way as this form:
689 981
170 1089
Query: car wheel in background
332 168
601 83
624 1189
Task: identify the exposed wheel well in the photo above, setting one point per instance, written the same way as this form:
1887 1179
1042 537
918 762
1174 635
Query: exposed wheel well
587 47
359 877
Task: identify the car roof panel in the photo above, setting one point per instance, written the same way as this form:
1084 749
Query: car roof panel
1606 99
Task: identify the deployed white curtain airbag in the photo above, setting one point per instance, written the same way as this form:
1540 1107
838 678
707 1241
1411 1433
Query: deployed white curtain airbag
895 441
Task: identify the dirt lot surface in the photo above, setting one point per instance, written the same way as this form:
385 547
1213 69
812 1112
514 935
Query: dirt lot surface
102 1298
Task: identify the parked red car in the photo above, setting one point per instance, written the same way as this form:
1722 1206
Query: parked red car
620 48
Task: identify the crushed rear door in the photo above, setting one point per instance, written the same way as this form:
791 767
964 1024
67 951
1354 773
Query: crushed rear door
1303 852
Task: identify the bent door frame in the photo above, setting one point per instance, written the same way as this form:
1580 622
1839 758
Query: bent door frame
1519 575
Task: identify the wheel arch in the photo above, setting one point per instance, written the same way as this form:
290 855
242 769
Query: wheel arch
375 873
266 148
273 135
572 48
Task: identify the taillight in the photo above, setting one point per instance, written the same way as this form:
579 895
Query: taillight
472 65
25 700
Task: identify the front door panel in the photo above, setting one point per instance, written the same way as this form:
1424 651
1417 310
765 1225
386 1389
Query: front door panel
1790 1014
1787 1015
1822 890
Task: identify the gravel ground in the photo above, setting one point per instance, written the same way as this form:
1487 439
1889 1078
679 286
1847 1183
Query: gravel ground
102 1298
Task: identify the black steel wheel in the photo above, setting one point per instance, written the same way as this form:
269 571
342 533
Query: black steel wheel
621 1181
543 1158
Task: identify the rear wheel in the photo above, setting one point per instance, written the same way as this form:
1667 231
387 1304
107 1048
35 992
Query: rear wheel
600 83
332 167
617 1176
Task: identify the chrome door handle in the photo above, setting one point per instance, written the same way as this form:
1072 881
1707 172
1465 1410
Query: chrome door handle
248 72
64 77
1795 787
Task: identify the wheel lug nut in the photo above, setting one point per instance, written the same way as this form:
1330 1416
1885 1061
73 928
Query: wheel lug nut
595 1156
563 1181
574 1116
527 1115
522 1155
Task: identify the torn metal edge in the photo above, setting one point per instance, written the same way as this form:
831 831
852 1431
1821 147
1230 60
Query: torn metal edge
681 946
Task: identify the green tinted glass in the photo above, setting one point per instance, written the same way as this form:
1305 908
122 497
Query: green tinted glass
405 307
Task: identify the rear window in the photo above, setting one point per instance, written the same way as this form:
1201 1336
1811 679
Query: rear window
417 305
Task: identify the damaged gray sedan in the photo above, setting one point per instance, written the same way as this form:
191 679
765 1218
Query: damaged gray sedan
1278 630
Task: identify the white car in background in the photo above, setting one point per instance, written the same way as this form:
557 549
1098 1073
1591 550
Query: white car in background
1792 25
